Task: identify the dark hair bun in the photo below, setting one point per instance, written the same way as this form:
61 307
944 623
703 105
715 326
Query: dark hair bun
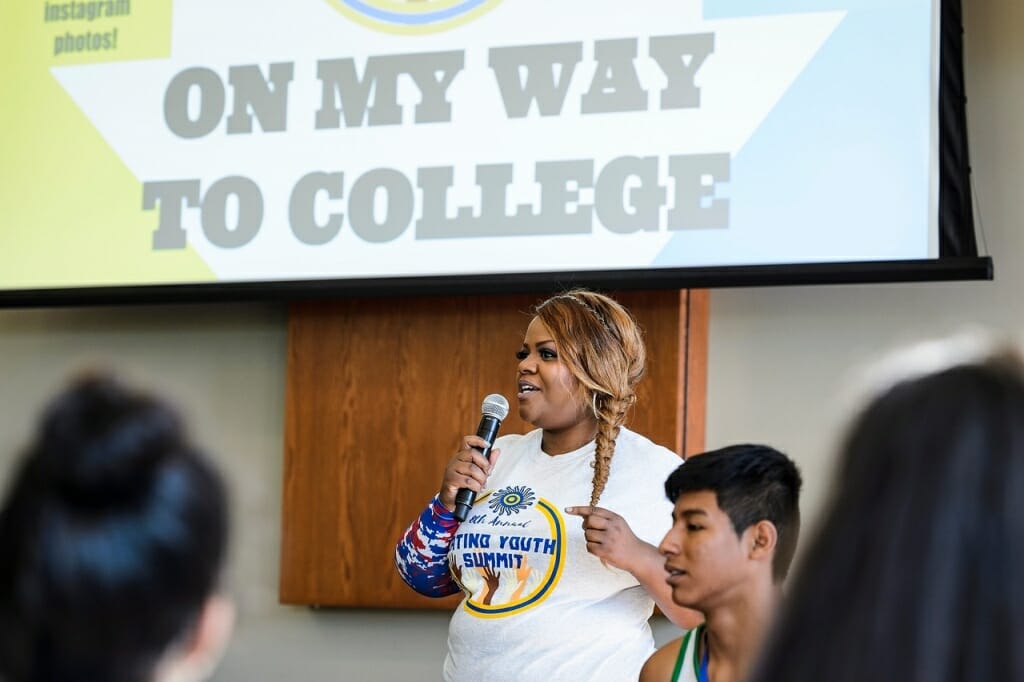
99 444
114 533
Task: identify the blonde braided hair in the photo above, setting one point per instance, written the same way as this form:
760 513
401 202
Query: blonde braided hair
603 348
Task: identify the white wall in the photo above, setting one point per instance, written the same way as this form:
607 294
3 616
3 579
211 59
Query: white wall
778 359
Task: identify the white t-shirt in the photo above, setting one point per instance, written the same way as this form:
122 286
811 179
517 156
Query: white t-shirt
538 605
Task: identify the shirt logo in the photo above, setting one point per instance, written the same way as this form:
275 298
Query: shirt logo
511 500
509 554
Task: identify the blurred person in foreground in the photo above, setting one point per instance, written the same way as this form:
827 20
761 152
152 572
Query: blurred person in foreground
916 572
736 521
113 535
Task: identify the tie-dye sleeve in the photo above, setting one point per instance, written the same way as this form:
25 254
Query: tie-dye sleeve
422 554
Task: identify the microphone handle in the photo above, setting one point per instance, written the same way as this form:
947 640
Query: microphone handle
465 498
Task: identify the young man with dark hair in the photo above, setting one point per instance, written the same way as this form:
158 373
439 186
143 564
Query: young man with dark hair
735 526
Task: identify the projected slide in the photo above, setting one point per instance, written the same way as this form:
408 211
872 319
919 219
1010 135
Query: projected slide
201 141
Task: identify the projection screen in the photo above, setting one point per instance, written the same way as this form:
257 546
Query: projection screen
196 149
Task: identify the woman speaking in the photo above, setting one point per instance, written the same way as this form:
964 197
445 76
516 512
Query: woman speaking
557 556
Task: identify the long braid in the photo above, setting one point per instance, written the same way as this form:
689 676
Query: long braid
611 414
602 346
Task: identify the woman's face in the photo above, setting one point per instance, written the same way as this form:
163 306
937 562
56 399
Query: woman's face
548 394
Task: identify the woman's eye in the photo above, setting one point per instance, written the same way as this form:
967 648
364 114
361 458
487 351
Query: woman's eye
548 354
694 527
522 355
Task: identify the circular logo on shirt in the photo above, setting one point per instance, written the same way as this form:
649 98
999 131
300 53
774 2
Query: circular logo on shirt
511 500
509 553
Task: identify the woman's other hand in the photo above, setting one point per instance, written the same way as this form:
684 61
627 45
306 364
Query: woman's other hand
609 536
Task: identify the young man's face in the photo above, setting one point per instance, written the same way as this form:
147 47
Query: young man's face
705 559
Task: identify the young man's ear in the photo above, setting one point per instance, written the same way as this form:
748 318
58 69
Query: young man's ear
764 536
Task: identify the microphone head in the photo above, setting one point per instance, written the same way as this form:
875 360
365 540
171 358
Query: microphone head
495 406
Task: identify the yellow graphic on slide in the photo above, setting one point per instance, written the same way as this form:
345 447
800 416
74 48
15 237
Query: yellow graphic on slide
70 211
413 17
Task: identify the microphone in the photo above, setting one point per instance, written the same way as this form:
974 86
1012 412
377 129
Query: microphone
494 409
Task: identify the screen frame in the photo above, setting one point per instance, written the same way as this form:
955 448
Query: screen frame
864 272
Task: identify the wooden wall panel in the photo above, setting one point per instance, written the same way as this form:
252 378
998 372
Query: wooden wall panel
693 367
379 391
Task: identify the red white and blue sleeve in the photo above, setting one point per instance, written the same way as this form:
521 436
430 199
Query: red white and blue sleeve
422 554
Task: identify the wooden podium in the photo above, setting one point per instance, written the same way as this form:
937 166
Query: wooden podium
378 393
